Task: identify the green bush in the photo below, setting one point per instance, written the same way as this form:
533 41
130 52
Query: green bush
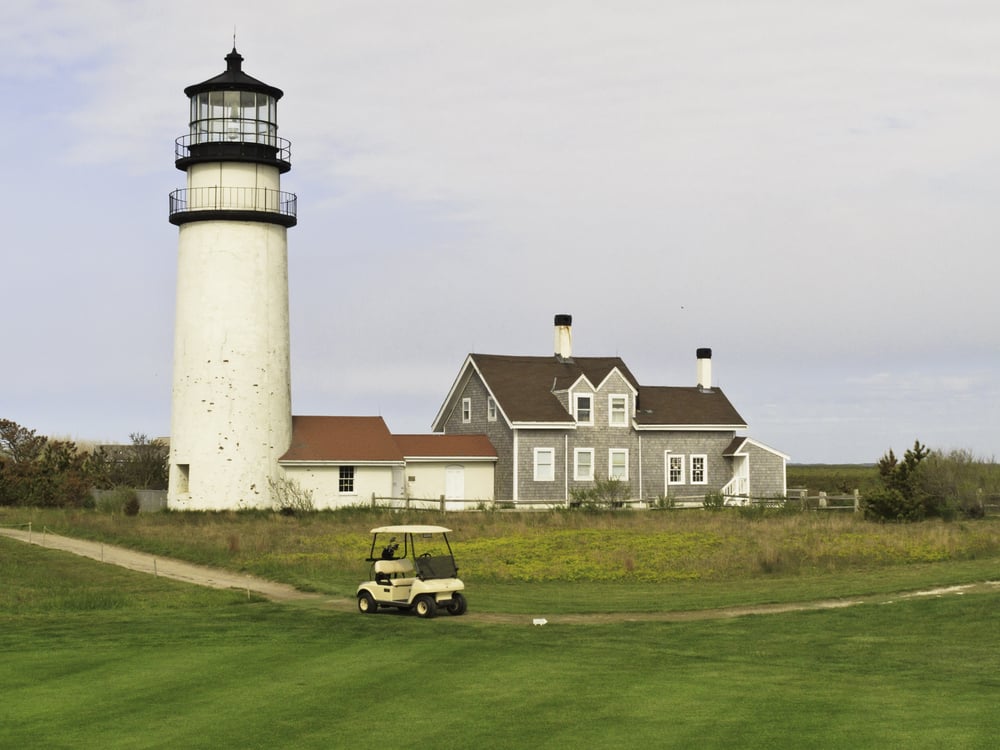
605 494
715 501
116 500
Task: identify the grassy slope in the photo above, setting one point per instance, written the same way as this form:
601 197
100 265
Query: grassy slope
579 562
154 664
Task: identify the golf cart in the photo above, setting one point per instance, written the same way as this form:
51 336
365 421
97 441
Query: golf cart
421 576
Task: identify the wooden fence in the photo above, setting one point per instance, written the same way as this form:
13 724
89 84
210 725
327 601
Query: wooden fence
796 498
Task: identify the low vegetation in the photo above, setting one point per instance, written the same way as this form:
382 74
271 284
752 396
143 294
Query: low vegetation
38 471
325 551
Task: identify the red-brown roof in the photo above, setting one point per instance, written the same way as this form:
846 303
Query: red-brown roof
367 439
446 446
356 439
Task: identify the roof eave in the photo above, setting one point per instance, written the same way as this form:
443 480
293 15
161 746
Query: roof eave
690 427
339 462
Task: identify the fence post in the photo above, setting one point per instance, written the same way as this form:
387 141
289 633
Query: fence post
857 501
822 499
802 499
373 501
442 503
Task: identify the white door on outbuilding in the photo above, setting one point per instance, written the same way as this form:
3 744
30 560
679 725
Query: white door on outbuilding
454 482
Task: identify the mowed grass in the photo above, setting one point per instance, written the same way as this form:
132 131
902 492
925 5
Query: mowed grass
97 657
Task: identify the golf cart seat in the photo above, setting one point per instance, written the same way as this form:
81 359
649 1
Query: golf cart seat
394 572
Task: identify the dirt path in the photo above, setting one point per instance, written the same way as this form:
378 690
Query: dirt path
280 592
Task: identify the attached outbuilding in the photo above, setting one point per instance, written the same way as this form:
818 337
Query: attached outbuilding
346 461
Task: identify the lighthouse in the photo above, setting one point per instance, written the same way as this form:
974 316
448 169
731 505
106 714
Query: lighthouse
231 399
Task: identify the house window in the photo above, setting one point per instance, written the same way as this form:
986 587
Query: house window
545 464
618 410
491 409
466 410
618 464
675 469
583 464
699 472
584 409
346 483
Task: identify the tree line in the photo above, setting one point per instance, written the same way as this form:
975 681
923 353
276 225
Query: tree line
38 471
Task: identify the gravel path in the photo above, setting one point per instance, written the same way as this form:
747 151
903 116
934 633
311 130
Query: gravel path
280 592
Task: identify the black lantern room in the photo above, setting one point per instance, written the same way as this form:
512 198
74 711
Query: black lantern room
233 118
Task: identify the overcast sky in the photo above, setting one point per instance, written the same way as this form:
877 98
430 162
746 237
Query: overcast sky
810 188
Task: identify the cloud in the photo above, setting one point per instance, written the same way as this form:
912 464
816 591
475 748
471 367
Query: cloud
809 190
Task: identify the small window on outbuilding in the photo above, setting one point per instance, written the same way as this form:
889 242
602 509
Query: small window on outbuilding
345 484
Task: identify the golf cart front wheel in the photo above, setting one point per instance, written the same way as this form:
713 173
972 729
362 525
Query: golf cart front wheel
457 605
366 603
425 606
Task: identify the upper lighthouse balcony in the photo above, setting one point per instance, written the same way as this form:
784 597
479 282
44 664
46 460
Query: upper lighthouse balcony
232 145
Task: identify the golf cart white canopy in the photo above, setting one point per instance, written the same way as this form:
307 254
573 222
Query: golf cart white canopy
411 529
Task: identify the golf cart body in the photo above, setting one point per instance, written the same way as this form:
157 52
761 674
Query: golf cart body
412 567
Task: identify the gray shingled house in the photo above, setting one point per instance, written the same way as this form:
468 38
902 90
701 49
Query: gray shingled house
560 423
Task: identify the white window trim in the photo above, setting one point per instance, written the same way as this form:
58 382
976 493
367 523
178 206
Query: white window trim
670 458
576 408
576 465
551 464
704 468
354 480
611 452
466 410
611 411
491 409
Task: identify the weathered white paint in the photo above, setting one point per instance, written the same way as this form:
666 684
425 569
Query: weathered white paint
429 480
323 480
231 414
704 370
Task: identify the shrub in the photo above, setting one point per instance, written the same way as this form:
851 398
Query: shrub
131 507
288 497
957 482
714 501
605 494
115 500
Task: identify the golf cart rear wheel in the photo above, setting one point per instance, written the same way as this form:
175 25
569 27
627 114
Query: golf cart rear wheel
425 606
457 605
366 603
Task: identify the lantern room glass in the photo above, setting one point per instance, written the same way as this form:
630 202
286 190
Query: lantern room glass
244 116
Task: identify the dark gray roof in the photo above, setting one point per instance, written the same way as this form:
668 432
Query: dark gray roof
689 407
524 386
233 79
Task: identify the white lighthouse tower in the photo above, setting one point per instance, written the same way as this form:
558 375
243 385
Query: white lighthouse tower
231 412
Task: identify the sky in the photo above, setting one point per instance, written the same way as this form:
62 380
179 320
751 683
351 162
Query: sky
808 188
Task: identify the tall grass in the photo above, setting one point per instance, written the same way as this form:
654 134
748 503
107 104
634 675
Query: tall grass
326 551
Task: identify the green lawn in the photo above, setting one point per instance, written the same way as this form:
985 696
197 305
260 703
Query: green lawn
94 656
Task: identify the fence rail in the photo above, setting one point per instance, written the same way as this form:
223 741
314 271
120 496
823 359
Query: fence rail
796 498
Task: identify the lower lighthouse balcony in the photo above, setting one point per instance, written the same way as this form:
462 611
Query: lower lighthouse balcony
220 203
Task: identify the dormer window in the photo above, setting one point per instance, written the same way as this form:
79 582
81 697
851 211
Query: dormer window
618 410
584 409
